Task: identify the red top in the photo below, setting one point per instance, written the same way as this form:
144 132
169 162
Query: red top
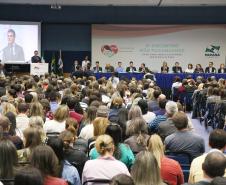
49 180
171 171
76 116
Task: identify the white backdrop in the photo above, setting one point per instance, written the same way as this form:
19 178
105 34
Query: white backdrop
153 44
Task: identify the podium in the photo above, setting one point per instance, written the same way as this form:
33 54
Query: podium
39 68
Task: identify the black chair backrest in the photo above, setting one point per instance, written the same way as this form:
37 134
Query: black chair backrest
7 181
98 181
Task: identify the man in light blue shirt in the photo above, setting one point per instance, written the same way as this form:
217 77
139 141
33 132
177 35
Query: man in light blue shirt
119 69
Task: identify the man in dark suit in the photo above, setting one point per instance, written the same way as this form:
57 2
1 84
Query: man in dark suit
12 52
143 69
177 68
131 68
210 68
36 58
97 68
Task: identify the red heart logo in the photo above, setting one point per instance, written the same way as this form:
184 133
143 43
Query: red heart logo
109 50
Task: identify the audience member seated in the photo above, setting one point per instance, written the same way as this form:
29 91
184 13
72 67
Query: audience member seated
153 126
210 68
8 159
170 169
146 162
198 69
97 68
5 124
162 105
22 119
106 166
184 140
217 141
28 175
57 125
71 103
218 181
66 170
177 68
153 104
222 69
213 166
32 138
76 156
122 179
87 130
99 127
138 132
122 152
44 159
131 68
147 115
164 68
167 127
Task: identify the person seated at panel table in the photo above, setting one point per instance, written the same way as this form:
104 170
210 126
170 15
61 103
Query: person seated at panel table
97 68
198 69
189 69
222 69
164 68
142 68
177 68
131 68
210 68
119 69
109 68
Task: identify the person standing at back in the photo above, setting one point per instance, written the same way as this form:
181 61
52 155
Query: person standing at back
36 58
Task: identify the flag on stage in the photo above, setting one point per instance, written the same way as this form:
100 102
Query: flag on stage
53 63
60 64
43 58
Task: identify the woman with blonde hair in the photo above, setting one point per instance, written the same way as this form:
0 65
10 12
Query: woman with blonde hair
57 125
99 127
36 109
106 166
37 122
171 171
145 170
32 138
8 107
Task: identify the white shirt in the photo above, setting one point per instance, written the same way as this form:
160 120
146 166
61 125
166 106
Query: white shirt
149 117
189 71
84 64
54 126
22 122
87 132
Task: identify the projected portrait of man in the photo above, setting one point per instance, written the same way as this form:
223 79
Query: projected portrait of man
12 52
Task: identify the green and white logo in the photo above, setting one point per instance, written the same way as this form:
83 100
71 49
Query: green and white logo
212 51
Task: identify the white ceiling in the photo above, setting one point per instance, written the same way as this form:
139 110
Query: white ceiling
121 2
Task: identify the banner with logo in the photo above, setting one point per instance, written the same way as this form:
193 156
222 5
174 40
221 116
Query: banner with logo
154 44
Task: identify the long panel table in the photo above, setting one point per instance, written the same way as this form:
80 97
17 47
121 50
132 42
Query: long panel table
164 81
